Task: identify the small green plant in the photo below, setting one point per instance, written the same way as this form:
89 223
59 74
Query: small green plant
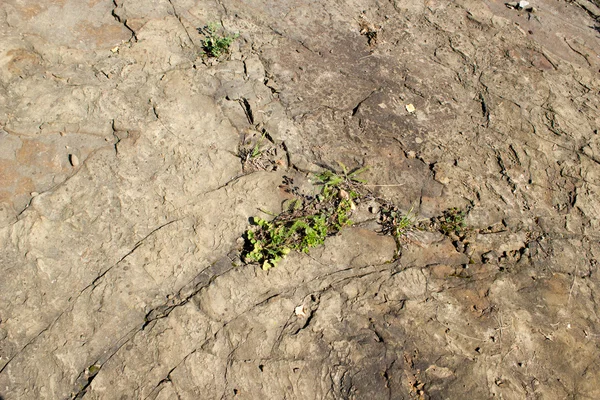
259 153
395 223
256 151
250 152
452 221
215 43
306 223
330 178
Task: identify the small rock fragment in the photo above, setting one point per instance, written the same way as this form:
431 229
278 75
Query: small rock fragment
74 160
489 257
521 5
299 311
460 246
374 209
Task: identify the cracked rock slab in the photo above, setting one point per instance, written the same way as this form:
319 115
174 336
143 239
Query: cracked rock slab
123 198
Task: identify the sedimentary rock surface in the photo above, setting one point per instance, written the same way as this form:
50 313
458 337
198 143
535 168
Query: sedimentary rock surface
124 198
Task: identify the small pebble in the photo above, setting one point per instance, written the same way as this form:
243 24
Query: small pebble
460 247
74 160
299 311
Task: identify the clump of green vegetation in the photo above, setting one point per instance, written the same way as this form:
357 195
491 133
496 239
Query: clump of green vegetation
271 241
307 221
452 221
216 43
396 223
